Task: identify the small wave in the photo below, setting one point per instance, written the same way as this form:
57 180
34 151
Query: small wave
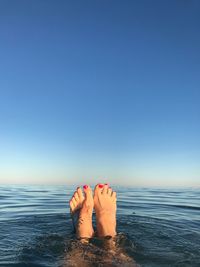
3 197
186 207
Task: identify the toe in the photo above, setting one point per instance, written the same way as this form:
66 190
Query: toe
74 202
114 195
87 190
98 189
71 206
76 196
80 194
105 189
109 191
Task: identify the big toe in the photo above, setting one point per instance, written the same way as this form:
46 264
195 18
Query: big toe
88 194
98 190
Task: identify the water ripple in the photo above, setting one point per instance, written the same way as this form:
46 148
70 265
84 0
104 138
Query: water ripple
161 227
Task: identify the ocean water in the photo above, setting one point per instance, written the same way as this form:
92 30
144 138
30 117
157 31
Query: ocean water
156 227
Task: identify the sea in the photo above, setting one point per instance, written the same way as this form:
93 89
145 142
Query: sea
156 227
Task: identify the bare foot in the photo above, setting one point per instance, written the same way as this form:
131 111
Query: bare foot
81 208
105 208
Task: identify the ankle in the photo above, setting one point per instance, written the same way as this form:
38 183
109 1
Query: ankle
106 229
86 234
106 224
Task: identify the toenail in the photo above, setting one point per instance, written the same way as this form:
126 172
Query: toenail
105 184
85 186
100 185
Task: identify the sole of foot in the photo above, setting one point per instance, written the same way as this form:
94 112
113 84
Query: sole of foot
81 209
105 209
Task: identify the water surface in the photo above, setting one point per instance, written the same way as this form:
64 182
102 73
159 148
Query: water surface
157 227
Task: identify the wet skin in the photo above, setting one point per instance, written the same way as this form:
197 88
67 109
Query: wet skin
104 203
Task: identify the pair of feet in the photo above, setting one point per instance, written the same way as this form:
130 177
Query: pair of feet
103 201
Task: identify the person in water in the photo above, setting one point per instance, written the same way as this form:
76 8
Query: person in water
103 202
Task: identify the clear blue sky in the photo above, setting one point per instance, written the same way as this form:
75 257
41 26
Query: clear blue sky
100 91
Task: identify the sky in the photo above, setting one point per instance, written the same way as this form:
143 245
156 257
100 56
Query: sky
100 91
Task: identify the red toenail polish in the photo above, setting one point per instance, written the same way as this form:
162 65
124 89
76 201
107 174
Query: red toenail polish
106 184
85 186
100 185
